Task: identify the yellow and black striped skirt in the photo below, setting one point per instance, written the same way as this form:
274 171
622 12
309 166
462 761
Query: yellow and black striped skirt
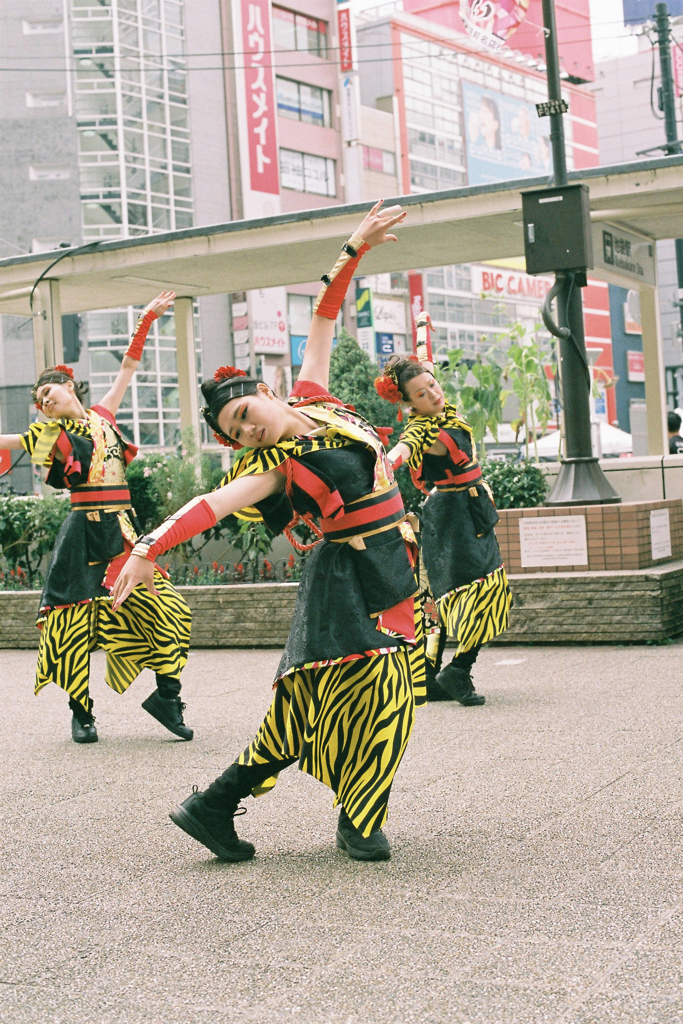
145 632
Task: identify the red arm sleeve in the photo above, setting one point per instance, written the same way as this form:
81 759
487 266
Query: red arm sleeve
194 518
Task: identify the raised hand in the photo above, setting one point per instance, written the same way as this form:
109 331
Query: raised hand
160 304
136 570
376 227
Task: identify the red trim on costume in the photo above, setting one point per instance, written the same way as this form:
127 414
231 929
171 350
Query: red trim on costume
331 302
137 342
329 502
309 392
387 507
458 456
451 479
400 619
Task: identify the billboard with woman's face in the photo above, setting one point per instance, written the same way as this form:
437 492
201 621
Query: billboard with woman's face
503 137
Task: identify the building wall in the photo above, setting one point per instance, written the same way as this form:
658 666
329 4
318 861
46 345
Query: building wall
626 126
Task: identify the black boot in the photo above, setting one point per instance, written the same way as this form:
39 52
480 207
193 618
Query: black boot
168 711
457 682
82 722
434 689
212 827
374 847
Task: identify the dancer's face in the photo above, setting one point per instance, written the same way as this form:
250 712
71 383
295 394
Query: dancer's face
425 394
256 421
58 400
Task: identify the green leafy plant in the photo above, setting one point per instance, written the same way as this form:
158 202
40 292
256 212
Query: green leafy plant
515 484
480 403
28 530
526 371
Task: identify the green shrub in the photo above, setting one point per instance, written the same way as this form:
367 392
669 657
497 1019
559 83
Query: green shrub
515 484
28 529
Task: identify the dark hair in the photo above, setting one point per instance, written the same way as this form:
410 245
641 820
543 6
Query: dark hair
674 421
219 392
55 375
404 370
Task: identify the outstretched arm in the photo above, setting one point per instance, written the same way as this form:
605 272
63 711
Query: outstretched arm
399 454
156 308
11 441
198 515
374 230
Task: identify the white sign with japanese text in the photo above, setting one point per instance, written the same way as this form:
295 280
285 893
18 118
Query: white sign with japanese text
553 540
660 533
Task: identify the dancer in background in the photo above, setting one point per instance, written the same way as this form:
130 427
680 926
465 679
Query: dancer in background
458 543
84 452
345 688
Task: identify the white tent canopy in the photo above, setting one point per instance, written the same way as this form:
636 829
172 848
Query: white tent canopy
612 440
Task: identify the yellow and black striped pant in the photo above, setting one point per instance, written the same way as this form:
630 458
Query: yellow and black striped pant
145 632
477 612
348 724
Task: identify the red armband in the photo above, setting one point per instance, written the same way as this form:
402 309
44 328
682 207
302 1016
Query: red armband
398 461
194 518
335 284
137 342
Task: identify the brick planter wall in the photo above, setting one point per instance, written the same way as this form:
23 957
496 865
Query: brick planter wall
618 536
590 607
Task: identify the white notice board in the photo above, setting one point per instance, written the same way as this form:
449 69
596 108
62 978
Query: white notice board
660 533
553 540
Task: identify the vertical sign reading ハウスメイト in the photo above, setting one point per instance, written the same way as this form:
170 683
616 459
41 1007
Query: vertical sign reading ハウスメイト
257 113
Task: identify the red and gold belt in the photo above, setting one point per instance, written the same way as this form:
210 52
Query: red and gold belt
107 497
460 481
371 514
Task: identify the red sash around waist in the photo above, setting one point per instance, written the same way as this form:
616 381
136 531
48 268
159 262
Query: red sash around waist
367 515
101 496
459 481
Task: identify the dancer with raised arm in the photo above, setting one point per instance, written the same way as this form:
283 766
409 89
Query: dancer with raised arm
345 687
85 452
459 549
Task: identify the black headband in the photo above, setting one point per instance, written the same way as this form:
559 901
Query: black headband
219 393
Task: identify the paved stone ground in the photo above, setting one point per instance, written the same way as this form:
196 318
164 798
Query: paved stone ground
536 872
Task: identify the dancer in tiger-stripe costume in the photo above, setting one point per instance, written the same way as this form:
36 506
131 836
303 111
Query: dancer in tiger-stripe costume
347 683
467 579
84 452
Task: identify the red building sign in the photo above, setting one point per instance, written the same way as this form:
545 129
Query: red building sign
345 40
260 95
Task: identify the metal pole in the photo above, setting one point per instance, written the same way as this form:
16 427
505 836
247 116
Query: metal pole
580 480
552 61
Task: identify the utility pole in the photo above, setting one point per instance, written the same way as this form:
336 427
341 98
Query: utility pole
667 104
581 480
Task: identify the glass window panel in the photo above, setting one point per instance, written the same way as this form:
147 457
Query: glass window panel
133 141
178 115
315 174
292 170
99 177
156 112
167 361
95 104
137 213
158 182
311 105
104 214
136 178
170 398
180 152
103 360
147 396
132 106
288 103
161 218
149 433
182 186
183 219
283 29
157 145
92 141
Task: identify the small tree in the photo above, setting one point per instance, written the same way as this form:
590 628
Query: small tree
527 375
481 403
352 379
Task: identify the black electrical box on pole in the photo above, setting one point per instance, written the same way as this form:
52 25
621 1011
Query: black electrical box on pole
667 104
557 236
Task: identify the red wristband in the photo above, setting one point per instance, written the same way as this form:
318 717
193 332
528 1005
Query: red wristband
137 342
195 517
335 287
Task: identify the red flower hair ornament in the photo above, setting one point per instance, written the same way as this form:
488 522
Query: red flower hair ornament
66 370
227 373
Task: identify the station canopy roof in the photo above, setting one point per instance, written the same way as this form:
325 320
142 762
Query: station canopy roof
465 225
